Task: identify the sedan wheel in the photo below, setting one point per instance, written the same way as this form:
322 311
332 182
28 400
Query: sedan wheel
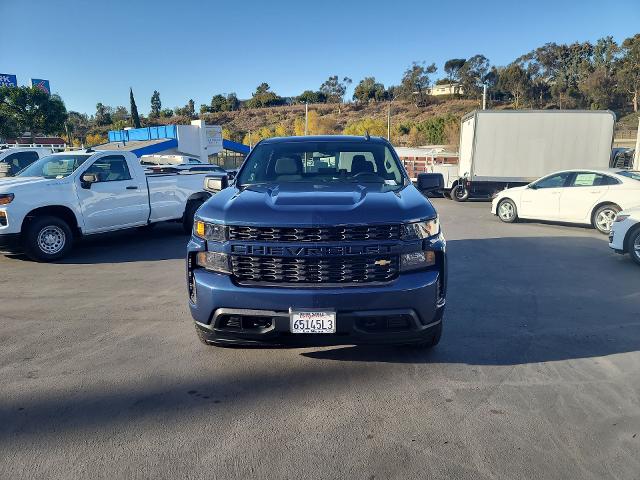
604 217
507 211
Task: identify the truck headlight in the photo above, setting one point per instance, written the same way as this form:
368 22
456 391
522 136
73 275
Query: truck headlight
621 218
420 230
6 198
417 260
214 261
211 232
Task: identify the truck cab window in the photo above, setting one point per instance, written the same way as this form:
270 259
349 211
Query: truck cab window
110 169
19 160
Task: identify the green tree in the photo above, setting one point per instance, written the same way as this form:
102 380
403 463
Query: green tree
416 81
515 80
473 75
629 72
334 89
264 97
218 103
135 119
452 68
368 89
103 114
29 109
156 104
309 96
120 114
233 103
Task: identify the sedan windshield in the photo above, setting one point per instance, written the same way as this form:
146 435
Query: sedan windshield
54 166
630 174
322 162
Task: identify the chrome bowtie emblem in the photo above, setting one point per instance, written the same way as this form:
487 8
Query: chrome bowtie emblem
382 263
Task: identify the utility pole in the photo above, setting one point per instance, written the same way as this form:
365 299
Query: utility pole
636 154
389 123
484 96
306 118
250 142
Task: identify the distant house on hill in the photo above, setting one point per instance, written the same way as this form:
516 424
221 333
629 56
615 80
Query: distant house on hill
445 89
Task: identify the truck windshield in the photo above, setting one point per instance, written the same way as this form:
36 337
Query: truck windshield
54 166
321 162
631 174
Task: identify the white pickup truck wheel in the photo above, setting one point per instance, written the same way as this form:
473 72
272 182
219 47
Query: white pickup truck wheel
47 238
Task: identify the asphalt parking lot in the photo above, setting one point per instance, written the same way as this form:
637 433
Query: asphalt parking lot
537 374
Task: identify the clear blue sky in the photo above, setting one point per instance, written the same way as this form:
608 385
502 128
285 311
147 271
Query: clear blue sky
92 51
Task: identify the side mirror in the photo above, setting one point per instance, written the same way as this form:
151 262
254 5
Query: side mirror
215 183
87 179
430 182
232 174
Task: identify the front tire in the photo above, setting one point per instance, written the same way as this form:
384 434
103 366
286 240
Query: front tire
507 211
189 213
47 239
459 193
604 216
633 245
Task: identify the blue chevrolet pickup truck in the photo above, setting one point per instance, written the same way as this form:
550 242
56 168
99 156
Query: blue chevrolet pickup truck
318 240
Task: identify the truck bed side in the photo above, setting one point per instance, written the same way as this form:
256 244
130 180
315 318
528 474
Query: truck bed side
168 194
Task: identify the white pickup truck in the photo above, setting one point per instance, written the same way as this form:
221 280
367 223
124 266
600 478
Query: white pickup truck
68 195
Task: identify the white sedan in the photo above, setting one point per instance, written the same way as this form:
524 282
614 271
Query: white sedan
589 197
625 234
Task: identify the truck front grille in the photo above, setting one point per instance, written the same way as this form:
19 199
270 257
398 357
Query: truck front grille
321 234
344 270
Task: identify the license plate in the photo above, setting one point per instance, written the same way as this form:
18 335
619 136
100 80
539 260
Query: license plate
313 322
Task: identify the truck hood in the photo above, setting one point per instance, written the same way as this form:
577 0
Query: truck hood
11 183
306 204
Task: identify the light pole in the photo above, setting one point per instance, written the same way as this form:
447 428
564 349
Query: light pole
484 96
306 118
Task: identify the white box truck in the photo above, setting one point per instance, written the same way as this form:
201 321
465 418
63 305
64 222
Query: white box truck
508 148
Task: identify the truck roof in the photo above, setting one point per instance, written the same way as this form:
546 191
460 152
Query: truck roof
324 138
555 111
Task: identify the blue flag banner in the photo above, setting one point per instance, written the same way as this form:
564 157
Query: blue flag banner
8 80
41 84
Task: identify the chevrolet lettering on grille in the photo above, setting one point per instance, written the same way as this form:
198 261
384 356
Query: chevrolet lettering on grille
321 251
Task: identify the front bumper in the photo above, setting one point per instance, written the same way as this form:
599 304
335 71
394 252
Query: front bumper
407 310
618 234
10 243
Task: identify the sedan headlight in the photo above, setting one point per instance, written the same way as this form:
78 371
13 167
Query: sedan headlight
214 261
6 198
211 232
420 230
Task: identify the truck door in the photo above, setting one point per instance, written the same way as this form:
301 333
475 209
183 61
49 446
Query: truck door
583 193
116 200
542 199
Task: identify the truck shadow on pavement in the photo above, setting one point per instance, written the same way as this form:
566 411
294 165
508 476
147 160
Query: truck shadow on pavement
165 241
525 300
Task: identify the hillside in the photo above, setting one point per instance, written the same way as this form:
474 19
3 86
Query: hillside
410 124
